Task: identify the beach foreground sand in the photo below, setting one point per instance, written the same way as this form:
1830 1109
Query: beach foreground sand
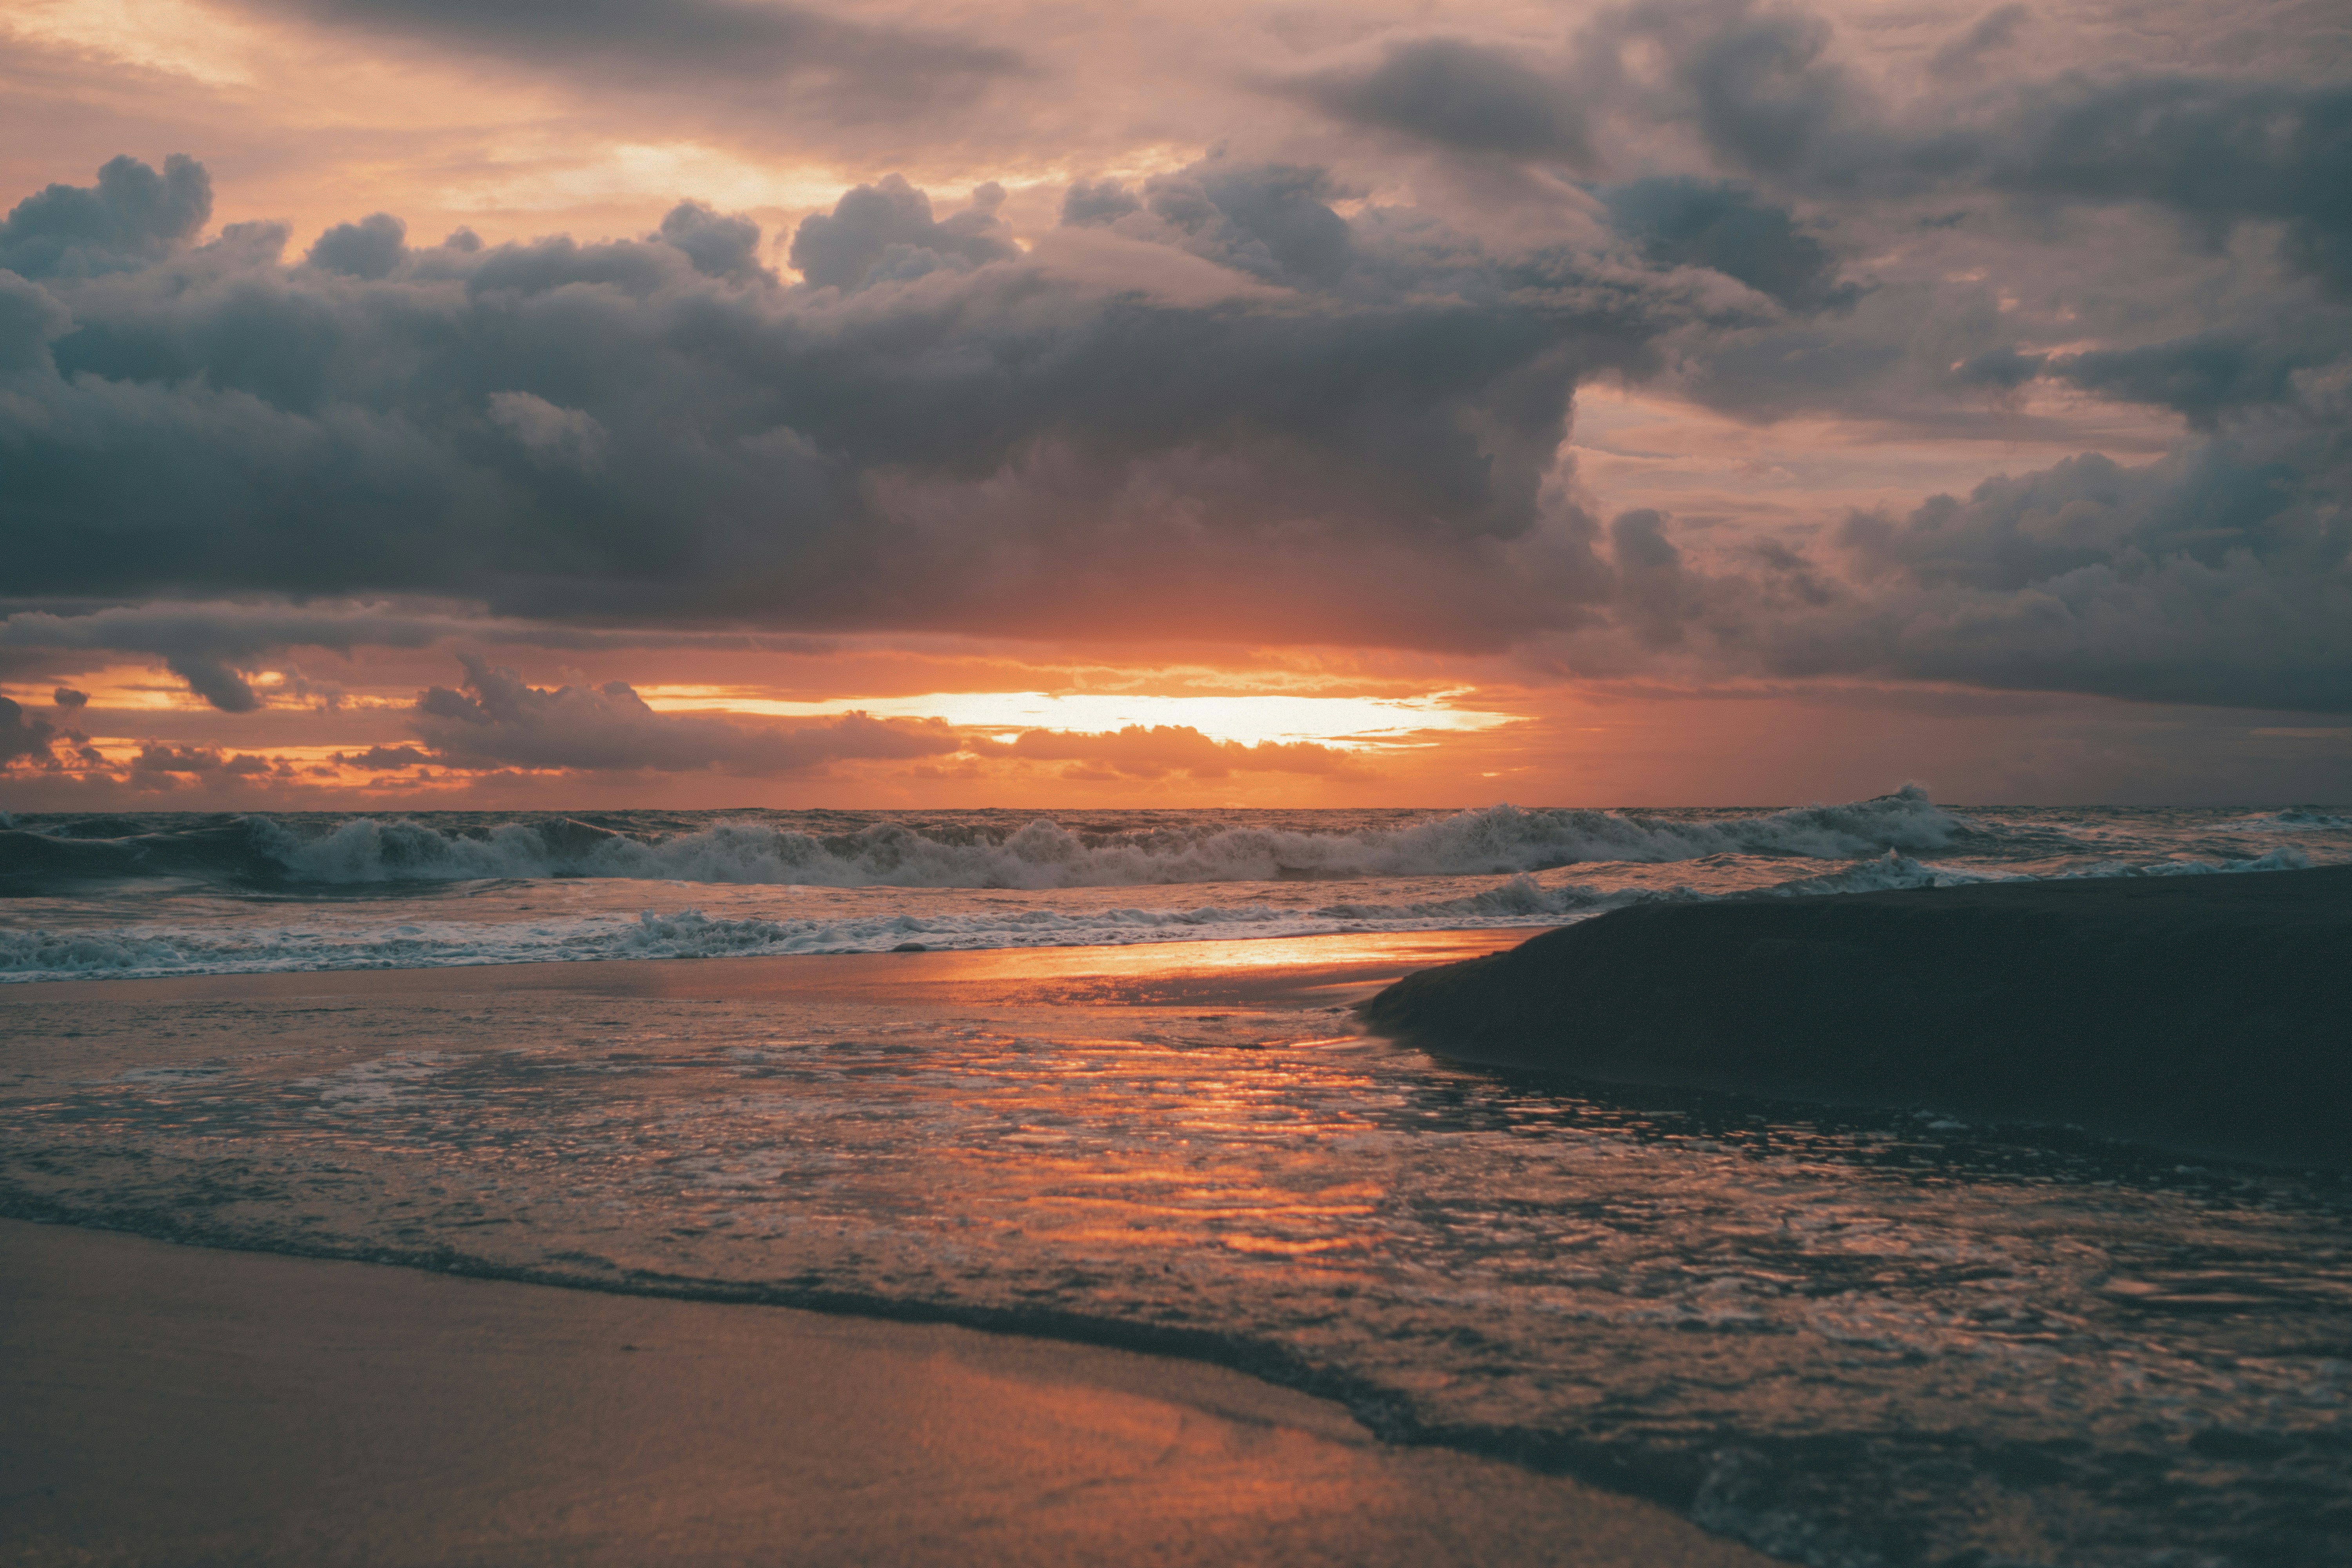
180 1405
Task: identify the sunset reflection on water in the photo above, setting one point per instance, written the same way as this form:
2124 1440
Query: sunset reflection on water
1881 1316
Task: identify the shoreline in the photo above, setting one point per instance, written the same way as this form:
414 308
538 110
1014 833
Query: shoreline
1342 958
178 1405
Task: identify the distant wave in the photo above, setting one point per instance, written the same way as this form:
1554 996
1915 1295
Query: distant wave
1043 854
2294 820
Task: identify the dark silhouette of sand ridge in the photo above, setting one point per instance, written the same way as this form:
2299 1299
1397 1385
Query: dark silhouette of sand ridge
2205 1013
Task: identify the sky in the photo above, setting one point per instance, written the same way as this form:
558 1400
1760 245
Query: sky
515 405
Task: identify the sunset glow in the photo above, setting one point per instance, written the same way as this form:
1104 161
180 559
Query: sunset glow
1343 721
1329 405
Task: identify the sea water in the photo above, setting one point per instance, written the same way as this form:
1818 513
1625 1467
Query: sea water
190 893
1847 1338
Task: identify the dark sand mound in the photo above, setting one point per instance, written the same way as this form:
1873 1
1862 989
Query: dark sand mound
2202 1013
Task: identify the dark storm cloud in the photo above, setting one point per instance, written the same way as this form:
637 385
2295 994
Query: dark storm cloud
131 218
20 737
1353 437
1209 406
1763 90
1272 221
1682 222
371 247
1156 751
777 57
885 233
2221 575
30 317
497 719
2197 227
2202 377
1459 94
720 245
67 697
2219 152
1994 31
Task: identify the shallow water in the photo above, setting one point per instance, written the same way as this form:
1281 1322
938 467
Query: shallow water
1848 1339
185 894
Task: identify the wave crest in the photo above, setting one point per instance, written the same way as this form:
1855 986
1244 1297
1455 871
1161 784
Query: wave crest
1045 855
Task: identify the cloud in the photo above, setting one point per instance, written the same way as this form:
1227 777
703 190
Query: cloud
885 233
386 757
936 432
1140 752
2220 575
720 245
163 766
1247 399
369 248
211 645
1271 221
496 719
131 217
215 681
569 435
1995 30
30 315
1682 222
67 697
1467 96
741 51
21 737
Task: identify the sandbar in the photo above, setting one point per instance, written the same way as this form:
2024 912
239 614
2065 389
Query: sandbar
2202 1014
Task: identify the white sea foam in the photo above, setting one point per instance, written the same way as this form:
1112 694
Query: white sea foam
401 935
2294 820
1497 839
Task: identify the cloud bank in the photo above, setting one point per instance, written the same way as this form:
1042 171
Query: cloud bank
496 719
1315 387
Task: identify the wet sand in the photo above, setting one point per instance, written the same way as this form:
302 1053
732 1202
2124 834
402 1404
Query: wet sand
184 1406
1273 972
179 1405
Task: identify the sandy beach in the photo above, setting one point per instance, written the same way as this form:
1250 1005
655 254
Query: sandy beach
1145 1254
182 1406
176 1405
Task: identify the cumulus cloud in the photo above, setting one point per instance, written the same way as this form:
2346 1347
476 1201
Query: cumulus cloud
720 245
2218 575
21 737
131 217
1314 416
369 248
885 233
494 719
934 431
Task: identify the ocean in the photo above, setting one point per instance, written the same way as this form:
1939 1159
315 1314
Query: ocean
1119 1094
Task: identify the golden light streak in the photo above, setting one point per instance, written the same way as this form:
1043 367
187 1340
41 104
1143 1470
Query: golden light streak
1342 721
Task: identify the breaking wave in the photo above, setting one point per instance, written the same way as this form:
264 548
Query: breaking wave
1040 855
